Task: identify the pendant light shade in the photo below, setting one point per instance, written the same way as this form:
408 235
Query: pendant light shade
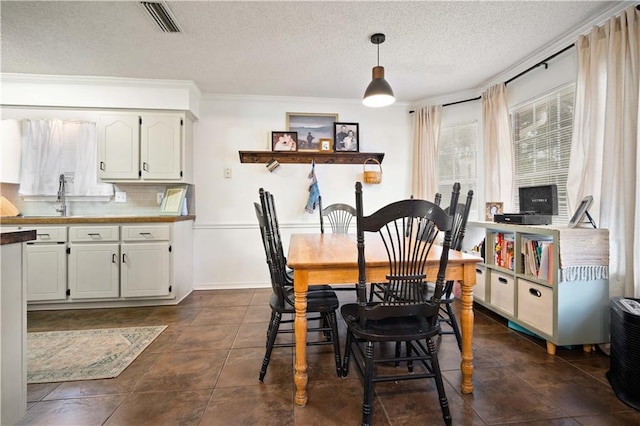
378 93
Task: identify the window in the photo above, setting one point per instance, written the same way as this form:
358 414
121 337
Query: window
457 162
541 134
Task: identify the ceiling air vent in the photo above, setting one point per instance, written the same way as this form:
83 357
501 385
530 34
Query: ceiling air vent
161 15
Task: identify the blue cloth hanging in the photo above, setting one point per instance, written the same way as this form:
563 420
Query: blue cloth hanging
314 191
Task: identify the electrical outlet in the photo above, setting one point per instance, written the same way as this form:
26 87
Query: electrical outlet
159 197
227 173
121 197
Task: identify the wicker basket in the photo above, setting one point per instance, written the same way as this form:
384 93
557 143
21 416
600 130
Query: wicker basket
372 176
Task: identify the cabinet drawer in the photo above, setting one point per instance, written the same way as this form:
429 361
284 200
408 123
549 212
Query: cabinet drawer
93 233
535 305
53 234
145 233
502 291
479 290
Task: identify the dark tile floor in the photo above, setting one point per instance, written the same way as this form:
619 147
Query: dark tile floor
203 370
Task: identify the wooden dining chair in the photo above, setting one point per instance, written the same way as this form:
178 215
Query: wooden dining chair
379 290
447 314
282 301
271 217
338 215
410 317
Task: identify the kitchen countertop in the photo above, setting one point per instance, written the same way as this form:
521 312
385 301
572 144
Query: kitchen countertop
71 220
15 235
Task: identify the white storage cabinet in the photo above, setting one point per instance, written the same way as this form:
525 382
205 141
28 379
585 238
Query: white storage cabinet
145 268
44 264
150 147
94 264
566 303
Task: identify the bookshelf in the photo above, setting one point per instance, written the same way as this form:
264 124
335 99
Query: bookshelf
550 280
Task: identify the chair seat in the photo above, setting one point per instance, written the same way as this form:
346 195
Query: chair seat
317 301
390 329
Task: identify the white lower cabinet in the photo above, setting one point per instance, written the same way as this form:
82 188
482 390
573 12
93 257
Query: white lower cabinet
44 265
108 265
145 260
145 269
94 266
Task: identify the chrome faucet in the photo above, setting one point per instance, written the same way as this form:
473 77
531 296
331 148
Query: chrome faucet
62 199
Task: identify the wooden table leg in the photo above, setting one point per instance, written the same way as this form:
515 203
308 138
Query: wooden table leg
466 323
300 280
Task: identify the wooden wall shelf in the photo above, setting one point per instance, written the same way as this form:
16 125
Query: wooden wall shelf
263 157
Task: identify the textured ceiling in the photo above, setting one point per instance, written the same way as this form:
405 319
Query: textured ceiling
309 49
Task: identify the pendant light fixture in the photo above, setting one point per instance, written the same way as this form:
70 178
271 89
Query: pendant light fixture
378 93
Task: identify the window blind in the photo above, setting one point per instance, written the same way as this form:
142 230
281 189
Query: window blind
541 133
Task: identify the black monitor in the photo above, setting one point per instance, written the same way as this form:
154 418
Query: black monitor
542 199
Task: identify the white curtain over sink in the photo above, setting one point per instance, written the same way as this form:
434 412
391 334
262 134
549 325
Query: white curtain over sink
54 147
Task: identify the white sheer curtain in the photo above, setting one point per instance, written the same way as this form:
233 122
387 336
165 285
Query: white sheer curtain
426 131
498 158
41 154
604 147
86 159
53 147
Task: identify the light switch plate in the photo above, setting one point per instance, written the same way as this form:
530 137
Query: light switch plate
121 197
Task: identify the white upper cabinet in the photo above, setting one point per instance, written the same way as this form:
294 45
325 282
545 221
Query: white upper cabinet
160 147
118 147
144 147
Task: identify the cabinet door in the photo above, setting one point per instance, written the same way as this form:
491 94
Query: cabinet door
94 270
119 147
161 147
145 269
45 271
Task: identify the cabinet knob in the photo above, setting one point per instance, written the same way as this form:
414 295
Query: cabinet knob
102 165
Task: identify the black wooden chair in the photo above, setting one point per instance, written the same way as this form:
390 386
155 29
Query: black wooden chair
338 215
447 314
380 290
323 302
409 317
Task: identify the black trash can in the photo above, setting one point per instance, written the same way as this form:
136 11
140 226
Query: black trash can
624 371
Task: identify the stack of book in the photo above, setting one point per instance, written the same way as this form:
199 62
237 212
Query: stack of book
503 244
538 258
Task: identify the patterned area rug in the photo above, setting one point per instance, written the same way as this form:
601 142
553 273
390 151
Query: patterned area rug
63 356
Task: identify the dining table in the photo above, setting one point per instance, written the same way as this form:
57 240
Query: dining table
332 259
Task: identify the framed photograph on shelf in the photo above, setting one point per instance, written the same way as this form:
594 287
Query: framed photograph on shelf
311 127
346 137
284 141
491 208
326 145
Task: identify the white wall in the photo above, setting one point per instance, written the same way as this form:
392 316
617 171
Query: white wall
227 247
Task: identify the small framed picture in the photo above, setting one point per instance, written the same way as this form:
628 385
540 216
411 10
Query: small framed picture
346 137
173 200
326 144
492 208
284 141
